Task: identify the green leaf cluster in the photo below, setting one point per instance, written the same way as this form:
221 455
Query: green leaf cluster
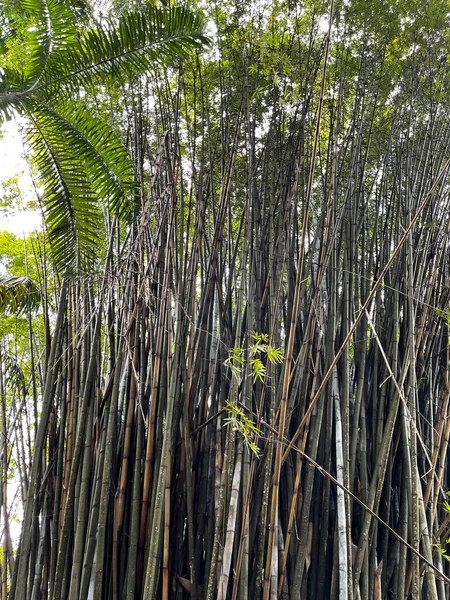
52 54
439 547
260 346
236 360
245 426
18 294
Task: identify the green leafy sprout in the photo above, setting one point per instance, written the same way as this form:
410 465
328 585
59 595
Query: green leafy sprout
245 426
443 551
260 347
444 314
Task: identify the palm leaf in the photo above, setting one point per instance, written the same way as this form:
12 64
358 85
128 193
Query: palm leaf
123 48
84 167
18 294
79 158
71 210
45 27
14 374
105 158
30 35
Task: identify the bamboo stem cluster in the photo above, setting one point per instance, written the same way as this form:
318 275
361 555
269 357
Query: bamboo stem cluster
314 213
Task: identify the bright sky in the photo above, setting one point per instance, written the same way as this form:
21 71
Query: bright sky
12 162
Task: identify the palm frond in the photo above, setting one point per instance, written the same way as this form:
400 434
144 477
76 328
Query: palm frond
105 158
36 29
127 47
36 37
59 56
49 27
79 159
14 374
18 294
70 204
82 165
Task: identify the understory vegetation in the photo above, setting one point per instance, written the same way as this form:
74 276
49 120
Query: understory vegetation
224 363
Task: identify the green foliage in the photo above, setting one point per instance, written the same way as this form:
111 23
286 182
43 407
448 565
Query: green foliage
245 426
439 548
132 44
235 361
443 314
80 161
18 294
442 551
260 346
13 252
11 196
13 371
47 64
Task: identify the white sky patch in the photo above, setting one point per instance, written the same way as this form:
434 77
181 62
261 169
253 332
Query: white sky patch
12 162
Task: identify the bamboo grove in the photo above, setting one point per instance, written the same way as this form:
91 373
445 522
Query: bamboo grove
294 195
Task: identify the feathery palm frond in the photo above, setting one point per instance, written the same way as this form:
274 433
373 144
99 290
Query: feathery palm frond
60 57
71 209
131 46
81 162
45 28
18 294
14 374
106 159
